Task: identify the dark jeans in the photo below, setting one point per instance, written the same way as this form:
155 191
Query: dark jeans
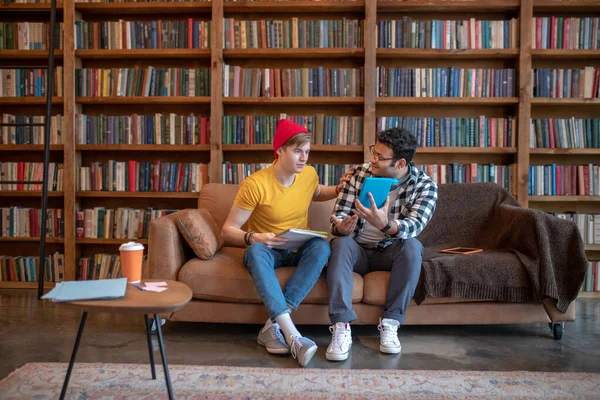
403 260
309 261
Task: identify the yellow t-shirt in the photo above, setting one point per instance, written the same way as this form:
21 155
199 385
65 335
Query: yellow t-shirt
277 208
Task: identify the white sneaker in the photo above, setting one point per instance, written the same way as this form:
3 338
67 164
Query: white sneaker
388 336
341 342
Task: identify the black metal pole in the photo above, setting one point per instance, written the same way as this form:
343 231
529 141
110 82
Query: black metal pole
63 392
47 131
150 351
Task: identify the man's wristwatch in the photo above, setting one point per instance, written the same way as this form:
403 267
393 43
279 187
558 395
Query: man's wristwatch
387 227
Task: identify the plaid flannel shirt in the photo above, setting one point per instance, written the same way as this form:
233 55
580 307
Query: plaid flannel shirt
412 209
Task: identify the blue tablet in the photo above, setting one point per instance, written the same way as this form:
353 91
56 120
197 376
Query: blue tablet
379 188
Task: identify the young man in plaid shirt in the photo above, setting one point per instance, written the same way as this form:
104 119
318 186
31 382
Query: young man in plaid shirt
371 239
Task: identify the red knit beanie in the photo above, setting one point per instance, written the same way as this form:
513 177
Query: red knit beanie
285 130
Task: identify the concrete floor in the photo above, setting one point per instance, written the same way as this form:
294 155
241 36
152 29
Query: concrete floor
32 331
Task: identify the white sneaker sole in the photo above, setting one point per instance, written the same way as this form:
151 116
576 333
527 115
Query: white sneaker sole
337 356
390 350
271 350
308 356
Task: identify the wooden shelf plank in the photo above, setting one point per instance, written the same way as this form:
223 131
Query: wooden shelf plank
24 285
142 147
29 147
474 54
588 295
561 54
30 239
537 151
560 199
314 147
179 8
8 193
547 101
468 101
141 195
566 5
466 150
28 54
293 53
294 7
30 7
158 54
108 241
295 100
442 5
175 100
29 101
592 247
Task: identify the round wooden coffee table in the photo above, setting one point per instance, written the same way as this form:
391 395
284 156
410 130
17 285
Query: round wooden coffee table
136 301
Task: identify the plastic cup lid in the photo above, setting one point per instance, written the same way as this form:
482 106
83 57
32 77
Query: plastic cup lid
131 246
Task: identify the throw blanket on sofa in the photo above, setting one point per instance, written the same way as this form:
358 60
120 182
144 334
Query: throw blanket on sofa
528 254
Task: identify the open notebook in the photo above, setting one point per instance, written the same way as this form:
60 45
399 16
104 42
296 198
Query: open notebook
88 290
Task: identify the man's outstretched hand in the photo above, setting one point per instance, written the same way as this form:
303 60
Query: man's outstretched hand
346 225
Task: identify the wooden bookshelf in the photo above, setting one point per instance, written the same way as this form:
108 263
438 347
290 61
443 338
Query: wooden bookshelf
147 54
460 54
592 247
141 195
30 239
29 147
143 147
24 285
215 106
23 55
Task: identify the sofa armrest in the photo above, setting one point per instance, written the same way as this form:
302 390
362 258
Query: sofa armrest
167 249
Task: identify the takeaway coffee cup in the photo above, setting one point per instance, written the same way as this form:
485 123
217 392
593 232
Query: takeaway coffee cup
132 254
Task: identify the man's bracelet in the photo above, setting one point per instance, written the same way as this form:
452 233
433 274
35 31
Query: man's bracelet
247 237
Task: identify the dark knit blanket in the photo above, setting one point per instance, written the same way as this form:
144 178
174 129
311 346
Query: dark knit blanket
528 254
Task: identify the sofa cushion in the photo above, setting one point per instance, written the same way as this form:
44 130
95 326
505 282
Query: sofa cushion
225 278
201 232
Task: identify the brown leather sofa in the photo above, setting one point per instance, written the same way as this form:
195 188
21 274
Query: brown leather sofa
223 290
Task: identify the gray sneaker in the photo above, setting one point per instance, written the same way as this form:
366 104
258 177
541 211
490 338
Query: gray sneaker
303 349
272 339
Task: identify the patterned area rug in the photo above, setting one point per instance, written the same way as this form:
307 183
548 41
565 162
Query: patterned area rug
132 381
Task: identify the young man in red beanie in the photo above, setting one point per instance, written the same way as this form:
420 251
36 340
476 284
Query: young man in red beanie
272 201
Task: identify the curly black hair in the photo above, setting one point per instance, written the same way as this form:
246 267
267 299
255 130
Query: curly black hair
401 141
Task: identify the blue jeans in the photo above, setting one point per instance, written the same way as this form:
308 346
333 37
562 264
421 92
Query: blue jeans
309 261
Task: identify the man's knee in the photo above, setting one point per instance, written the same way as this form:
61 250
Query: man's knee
255 251
341 243
319 246
413 246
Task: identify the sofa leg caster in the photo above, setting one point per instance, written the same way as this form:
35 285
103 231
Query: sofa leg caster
557 329
153 327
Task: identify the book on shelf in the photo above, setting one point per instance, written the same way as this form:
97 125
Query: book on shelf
591 282
142 129
30 134
456 132
564 83
588 224
29 35
120 223
30 171
325 129
572 33
142 81
26 222
292 33
29 82
161 34
446 82
142 176
447 35
564 180
502 175
292 82
26 268
565 133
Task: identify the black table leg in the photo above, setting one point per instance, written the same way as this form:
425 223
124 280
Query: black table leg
150 351
63 392
163 355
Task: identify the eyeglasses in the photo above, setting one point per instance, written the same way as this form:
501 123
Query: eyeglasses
377 156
